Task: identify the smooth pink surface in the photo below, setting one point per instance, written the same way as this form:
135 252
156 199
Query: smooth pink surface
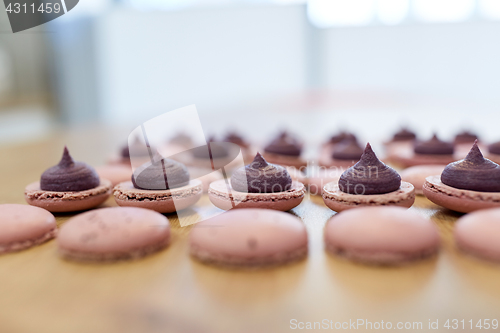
416 175
381 229
478 233
22 222
232 233
112 230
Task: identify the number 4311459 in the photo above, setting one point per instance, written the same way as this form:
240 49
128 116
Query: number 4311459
485 324
47 8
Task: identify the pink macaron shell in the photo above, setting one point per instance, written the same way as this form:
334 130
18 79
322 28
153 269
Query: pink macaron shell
249 236
416 175
115 173
463 201
162 201
23 223
477 234
339 201
113 233
63 202
381 233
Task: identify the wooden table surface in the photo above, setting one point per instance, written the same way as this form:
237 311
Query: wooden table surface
170 292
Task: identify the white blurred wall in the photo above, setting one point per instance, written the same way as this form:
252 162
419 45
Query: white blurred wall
152 62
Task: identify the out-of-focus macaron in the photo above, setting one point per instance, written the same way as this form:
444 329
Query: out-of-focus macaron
114 233
249 238
381 235
477 234
68 187
416 175
24 226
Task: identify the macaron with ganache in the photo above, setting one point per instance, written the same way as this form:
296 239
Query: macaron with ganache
430 152
162 185
466 185
344 154
286 150
68 187
368 183
258 185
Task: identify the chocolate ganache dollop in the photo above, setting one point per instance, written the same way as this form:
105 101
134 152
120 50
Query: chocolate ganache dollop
161 174
236 139
369 176
494 148
434 146
474 173
284 144
404 134
348 149
261 177
69 176
218 150
137 148
337 138
465 137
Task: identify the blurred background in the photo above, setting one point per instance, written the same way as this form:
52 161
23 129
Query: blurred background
258 66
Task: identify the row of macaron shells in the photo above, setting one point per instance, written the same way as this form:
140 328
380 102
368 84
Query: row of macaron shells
369 155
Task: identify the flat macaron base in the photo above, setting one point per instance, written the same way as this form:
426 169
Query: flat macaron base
294 161
223 196
463 201
113 234
381 236
339 201
249 238
328 161
24 226
62 202
161 201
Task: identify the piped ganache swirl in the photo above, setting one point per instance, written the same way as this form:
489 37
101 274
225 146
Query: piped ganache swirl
337 138
369 176
236 139
161 174
434 146
284 144
404 134
261 177
218 150
348 149
69 176
474 173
